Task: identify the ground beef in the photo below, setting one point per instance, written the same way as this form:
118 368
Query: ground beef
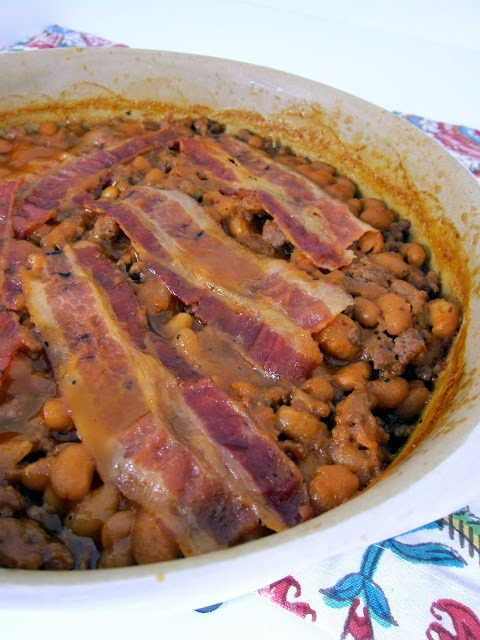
25 545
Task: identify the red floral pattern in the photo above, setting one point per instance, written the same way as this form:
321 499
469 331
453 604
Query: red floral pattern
359 627
465 623
279 593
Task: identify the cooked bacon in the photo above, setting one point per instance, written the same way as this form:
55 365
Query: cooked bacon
320 226
265 334
250 453
188 233
7 191
10 330
128 411
11 340
115 284
69 183
262 341
254 465
128 311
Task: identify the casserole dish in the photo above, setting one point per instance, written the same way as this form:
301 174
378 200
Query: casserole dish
389 160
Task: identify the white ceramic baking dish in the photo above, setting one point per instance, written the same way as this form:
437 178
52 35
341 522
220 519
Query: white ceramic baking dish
388 158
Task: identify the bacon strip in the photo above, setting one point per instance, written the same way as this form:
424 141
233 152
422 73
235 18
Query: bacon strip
127 410
11 333
10 330
127 309
311 219
250 454
69 183
253 464
115 285
7 191
188 234
266 335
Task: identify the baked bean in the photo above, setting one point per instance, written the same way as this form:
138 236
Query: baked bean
238 226
116 540
255 141
47 128
321 175
371 242
110 193
186 340
306 402
71 472
219 206
366 312
295 450
118 525
35 475
352 376
343 189
56 415
154 295
266 416
302 261
393 262
51 502
320 388
335 277
354 206
340 339
68 230
378 217
413 405
297 424
105 227
444 317
389 392
154 176
150 542
371 202
89 515
414 253
244 390
332 485
396 313
177 322
141 164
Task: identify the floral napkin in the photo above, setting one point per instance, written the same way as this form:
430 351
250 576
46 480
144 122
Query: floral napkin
422 584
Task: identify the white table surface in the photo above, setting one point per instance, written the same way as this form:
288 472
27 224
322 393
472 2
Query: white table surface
417 57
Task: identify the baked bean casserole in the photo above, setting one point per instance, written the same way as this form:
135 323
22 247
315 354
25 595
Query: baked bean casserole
204 339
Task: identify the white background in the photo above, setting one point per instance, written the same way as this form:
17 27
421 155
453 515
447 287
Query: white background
418 57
